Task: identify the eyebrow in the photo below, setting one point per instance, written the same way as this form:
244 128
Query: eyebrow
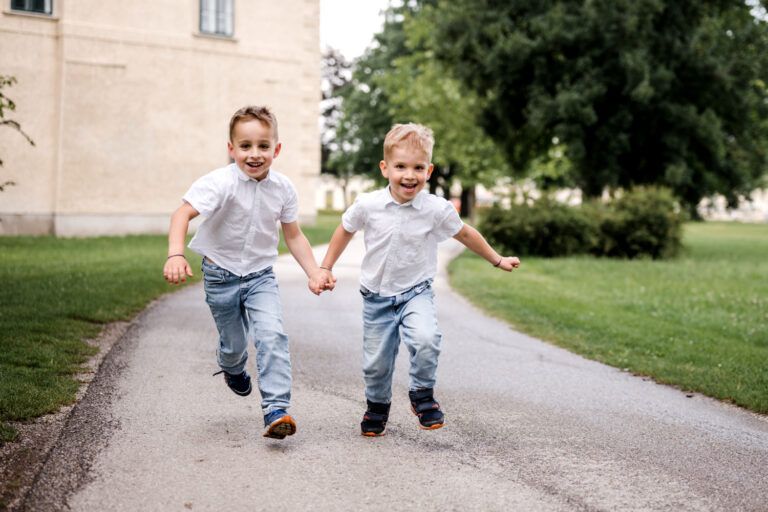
261 141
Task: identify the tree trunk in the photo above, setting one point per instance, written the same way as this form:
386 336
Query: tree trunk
468 202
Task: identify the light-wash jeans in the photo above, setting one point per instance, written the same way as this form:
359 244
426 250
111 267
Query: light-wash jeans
250 305
410 317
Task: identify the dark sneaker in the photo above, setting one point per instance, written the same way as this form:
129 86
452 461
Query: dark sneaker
375 419
240 384
278 424
424 406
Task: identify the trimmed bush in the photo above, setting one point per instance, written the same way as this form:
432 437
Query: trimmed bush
643 222
544 228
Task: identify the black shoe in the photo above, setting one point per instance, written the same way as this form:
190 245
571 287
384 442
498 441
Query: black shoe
240 383
375 419
424 406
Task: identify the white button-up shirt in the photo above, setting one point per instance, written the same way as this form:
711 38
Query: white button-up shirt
400 239
240 230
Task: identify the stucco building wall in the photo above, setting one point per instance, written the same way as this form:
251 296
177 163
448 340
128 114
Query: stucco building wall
128 104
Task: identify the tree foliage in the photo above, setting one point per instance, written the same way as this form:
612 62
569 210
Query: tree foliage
6 104
422 91
635 91
365 113
398 80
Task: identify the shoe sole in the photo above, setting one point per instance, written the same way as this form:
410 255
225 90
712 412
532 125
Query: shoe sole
280 428
428 427
243 393
239 393
374 434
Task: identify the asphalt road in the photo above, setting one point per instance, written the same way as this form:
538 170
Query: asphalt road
528 426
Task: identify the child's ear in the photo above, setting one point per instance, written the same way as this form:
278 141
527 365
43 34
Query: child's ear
231 149
383 167
429 171
278 147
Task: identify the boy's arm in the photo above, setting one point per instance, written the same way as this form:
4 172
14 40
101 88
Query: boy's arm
176 268
475 242
302 252
338 243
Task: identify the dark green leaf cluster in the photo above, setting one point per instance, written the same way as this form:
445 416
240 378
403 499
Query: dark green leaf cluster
637 91
642 222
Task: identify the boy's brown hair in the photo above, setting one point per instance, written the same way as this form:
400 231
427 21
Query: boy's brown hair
410 135
250 112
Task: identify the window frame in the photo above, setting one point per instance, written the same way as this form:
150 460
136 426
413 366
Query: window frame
217 18
28 7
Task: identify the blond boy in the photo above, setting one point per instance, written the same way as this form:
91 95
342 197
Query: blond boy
402 230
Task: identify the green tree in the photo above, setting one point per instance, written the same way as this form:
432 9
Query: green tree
670 92
336 73
422 91
398 80
7 104
365 113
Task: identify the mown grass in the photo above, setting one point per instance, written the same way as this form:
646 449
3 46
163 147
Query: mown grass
56 292
699 322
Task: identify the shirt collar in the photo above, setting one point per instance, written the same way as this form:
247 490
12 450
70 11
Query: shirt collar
417 202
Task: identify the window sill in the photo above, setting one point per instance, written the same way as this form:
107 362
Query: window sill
30 14
218 37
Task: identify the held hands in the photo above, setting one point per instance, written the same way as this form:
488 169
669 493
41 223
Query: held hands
176 269
322 280
508 263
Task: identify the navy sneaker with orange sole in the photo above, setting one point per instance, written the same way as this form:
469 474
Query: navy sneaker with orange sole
375 419
278 424
426 408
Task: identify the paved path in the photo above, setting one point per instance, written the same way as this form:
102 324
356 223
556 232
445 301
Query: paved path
529 426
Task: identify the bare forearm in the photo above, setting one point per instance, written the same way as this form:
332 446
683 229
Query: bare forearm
176 268
338 243
476 243
301 251
177 234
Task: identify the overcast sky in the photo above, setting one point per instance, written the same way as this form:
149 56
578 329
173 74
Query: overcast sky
349 25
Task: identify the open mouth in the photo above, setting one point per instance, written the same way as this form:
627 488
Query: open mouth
410 187
254 165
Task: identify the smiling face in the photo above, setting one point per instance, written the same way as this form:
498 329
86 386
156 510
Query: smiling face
407 168
253 147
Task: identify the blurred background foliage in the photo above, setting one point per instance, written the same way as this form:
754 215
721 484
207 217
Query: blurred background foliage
595 95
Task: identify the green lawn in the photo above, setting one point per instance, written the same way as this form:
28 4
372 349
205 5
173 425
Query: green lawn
58 291
699 322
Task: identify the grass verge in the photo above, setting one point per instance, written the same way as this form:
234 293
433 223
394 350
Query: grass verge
699 322
57 292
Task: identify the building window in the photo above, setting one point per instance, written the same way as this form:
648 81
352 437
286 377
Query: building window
216 17
41 6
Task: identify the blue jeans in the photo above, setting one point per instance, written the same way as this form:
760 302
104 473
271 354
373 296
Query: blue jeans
250 305
410 317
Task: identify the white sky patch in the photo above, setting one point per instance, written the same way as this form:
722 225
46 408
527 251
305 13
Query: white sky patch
349 25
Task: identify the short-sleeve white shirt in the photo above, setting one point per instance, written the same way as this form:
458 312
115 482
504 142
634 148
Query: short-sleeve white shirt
400 239
240 230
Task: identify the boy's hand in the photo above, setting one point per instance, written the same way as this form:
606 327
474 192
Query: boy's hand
322 280
509 263
176 270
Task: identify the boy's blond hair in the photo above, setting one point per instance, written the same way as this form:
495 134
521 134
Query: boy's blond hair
251 112
410 135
